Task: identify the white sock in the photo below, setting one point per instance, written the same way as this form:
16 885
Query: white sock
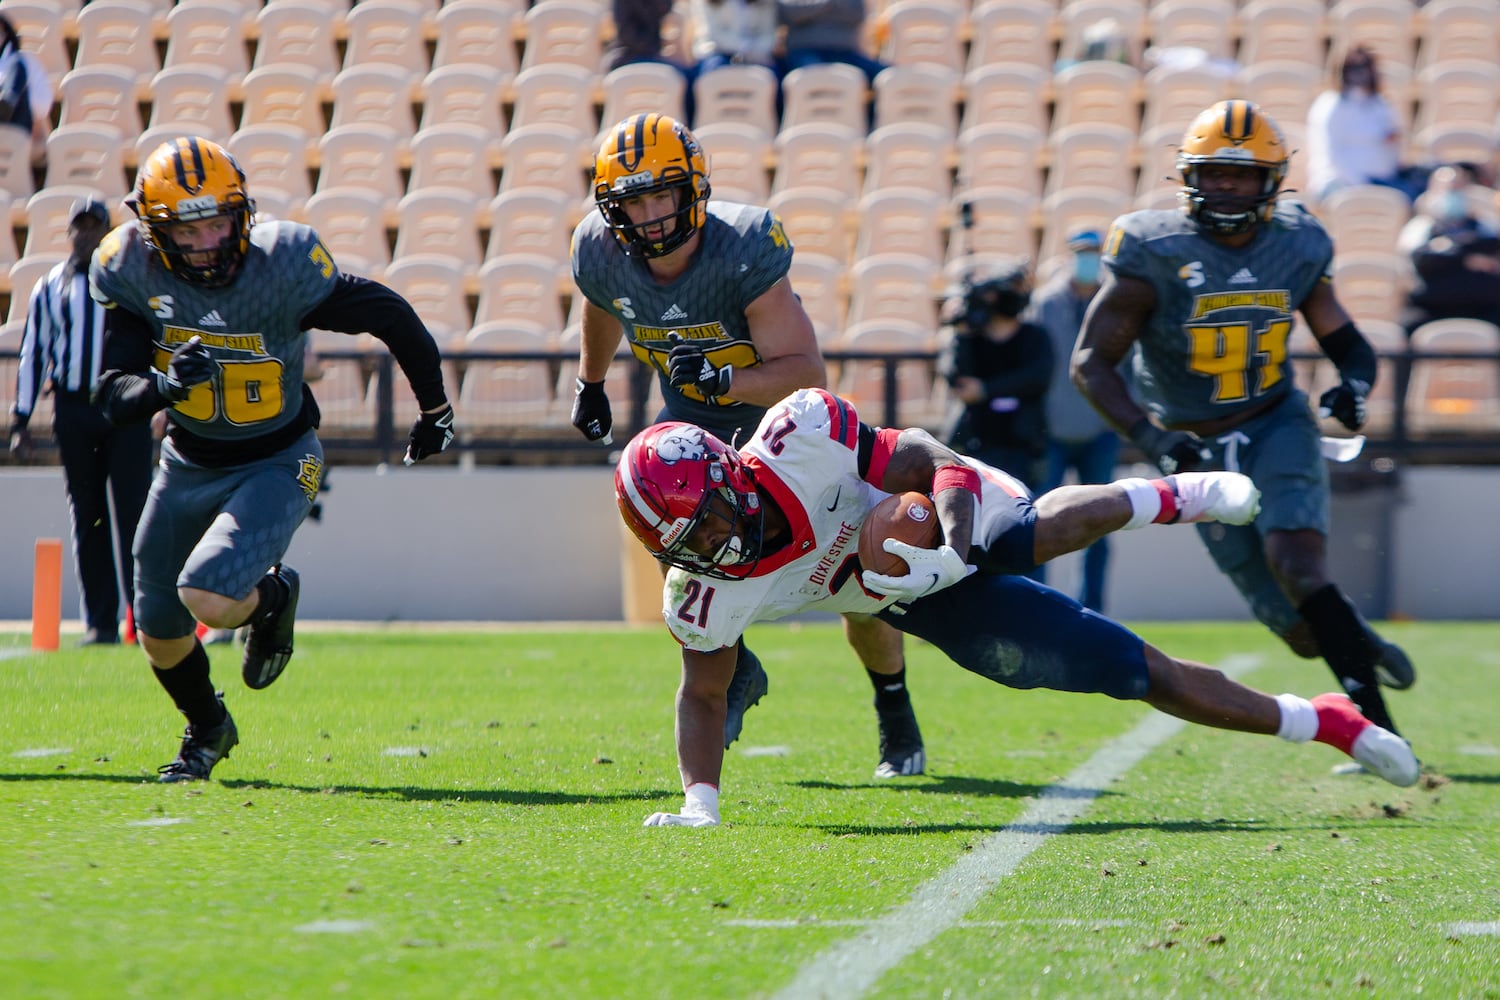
1299 720
1145 502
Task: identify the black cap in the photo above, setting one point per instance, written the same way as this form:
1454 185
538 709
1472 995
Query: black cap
90 206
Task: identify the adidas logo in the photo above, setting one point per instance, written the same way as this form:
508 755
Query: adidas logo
212 319
1243 277
673 314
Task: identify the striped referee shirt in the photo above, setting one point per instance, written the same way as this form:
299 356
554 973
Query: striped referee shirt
64 338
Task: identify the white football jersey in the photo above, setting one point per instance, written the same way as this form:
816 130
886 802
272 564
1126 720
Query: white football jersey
805 457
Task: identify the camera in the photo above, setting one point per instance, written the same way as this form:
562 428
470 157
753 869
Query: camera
1001 294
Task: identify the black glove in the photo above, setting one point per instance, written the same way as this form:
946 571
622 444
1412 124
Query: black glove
1345 403
190 365
1172 451
431 434
686 366
591 410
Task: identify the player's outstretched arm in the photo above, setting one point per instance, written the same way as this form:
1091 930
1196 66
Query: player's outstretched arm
701 707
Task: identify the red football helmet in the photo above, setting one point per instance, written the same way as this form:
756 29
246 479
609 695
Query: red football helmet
671 478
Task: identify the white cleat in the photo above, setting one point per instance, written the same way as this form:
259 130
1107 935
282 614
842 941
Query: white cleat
1228 497
1387 755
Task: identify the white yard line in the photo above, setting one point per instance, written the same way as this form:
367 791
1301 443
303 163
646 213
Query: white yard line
849 969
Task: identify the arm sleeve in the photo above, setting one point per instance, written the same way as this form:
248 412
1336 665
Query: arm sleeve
31 366
126 392
359 305
1351 353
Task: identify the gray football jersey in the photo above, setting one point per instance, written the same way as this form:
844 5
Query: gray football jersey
742 253
252 327
1217 341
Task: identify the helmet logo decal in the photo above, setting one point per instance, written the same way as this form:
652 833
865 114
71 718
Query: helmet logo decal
681 445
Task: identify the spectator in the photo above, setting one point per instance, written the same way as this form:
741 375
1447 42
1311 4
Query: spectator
1078 438
25 90
998 368
1352 135
825 31
638 30
733 32
1456 256
64 339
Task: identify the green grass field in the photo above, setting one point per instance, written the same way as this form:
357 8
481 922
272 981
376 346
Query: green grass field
438 814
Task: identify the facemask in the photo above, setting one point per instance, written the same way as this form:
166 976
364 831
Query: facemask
1452 206
1086 268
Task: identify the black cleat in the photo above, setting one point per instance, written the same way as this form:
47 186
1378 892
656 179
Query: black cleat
901 750
201 751
748 686
268 643
1394 669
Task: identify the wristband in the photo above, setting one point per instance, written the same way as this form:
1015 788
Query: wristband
961 477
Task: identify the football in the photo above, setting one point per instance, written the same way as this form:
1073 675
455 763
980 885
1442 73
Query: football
908 517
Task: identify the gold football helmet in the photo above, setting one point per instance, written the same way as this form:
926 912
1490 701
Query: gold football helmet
1238 134
642 155
189 179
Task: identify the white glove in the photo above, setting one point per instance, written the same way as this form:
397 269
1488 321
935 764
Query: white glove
700 808
928 571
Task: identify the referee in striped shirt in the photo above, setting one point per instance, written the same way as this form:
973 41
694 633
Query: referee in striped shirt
64 338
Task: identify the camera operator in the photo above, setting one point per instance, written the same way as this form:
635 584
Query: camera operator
999 368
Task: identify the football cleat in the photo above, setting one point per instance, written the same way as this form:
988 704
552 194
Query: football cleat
1227 497
1381 751
748 686
1394 668
200 751
268 646
901 751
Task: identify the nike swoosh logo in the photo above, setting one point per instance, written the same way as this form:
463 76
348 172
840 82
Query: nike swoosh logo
834 506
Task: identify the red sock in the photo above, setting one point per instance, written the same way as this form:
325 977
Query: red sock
1339 721
1169 510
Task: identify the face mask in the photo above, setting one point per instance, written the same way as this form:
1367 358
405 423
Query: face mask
1452 206
1086 268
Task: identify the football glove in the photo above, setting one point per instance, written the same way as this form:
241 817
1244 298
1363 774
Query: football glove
687 366
20 442
1171 451
591 411
190 365
431 433
927 571
1345 403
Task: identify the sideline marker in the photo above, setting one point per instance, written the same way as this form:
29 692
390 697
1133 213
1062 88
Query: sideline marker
46 594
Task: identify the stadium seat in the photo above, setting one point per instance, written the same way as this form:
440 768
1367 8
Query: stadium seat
303 36
894 286
1012 33
351 224
376 94
386 33
1372 285
15 171
364 158
923 92
189 100
478 33
345 404
274 159
1458 29
536 222
277 95
23 277
816 219
207 33
862 382
556 94
819 282
1078 20
102 96
1097 91
1003 223
1365 218
1383 26
819 155
86 156
456 154
825 94
1459 395
1206 25
1001 154
1283 89
919 32
44 29
464 93
1458 92
1457 144
743 94
643 88
47 219
1282 30
9 252
901 220
440 222
1157 152
1006 94
911 155
1072 209
435 288
564 33
119 33
546 156
739 160
518 288
495 394
1096 154
1174 95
